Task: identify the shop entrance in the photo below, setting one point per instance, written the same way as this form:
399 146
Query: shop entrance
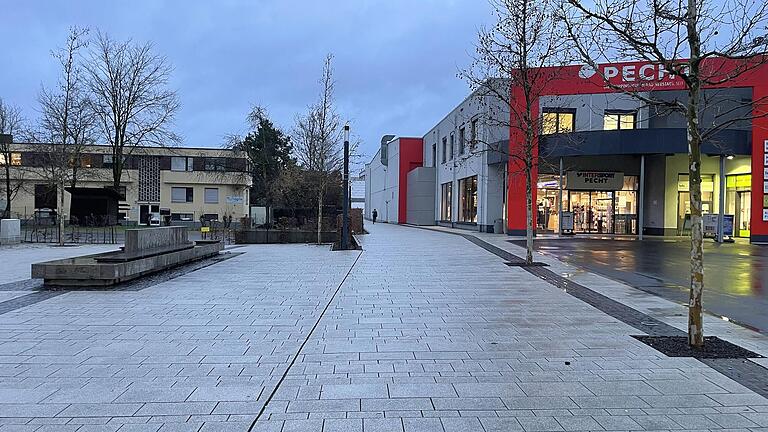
592 211
743 208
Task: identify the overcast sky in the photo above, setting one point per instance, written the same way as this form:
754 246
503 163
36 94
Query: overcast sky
396 60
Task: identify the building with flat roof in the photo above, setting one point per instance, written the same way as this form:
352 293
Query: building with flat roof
605 161
183 184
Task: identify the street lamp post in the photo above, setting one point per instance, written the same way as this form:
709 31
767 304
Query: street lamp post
345 179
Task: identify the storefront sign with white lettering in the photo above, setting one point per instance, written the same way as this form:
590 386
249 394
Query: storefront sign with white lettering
595 180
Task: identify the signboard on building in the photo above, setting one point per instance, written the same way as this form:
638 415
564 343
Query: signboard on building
234 199
595 180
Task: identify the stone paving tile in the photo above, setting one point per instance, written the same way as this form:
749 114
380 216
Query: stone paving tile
428 333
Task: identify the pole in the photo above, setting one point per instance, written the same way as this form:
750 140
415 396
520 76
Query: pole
641 199
345 214
721 212
560 200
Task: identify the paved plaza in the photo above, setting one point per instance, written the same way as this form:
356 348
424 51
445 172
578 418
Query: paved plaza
420 331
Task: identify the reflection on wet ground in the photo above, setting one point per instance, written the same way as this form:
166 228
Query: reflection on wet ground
735 274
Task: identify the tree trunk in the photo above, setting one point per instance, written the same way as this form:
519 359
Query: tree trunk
61 212
528 216
7 212
320 217
695 316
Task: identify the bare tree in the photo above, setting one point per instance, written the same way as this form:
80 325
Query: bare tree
317 140
511 70
11 122
132 104
702 43
67 121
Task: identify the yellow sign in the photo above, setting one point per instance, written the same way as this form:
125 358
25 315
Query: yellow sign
205 229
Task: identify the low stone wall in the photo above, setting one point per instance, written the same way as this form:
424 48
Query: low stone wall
279 236
95 271
170 237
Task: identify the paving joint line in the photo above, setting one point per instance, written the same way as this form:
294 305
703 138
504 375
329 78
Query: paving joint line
304 343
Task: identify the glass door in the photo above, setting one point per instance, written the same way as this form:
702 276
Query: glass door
579 204
743 208
602 207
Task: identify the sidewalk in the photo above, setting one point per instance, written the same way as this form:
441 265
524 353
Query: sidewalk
421 331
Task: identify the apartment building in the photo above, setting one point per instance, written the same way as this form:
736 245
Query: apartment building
180 183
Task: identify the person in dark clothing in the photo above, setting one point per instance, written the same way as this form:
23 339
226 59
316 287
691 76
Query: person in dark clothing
375 214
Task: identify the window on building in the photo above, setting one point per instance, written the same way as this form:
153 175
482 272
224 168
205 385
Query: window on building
45 196
106 161
185 217
445 150
211 195
210 217
557 121
182 194
181 163
619 120
446 201
15 159
473 134
451 143
86 161
462 141
215 164
468 199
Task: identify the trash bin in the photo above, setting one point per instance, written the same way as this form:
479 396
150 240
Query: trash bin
498 226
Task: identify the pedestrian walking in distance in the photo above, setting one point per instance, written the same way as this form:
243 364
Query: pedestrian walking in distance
375 215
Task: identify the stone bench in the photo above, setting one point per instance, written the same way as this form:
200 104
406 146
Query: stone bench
146 251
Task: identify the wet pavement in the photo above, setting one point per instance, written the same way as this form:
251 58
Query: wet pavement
736 275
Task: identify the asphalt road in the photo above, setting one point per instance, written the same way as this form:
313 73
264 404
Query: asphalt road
735 275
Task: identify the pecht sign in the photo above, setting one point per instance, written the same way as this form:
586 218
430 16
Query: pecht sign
594 180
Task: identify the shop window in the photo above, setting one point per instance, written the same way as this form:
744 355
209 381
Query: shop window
462 143
555 121
180 163
211 195
15 159
468 199
182 194
446 201
619 120
738 202
684 200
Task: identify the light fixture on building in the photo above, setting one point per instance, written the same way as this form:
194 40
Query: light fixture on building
729 157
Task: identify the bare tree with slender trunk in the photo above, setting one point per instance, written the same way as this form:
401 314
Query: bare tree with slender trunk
132 103
702 43
67 121
510 70
317 140
11 122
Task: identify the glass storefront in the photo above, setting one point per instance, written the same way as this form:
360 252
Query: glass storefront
684 201
599 212
738 202
468 199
